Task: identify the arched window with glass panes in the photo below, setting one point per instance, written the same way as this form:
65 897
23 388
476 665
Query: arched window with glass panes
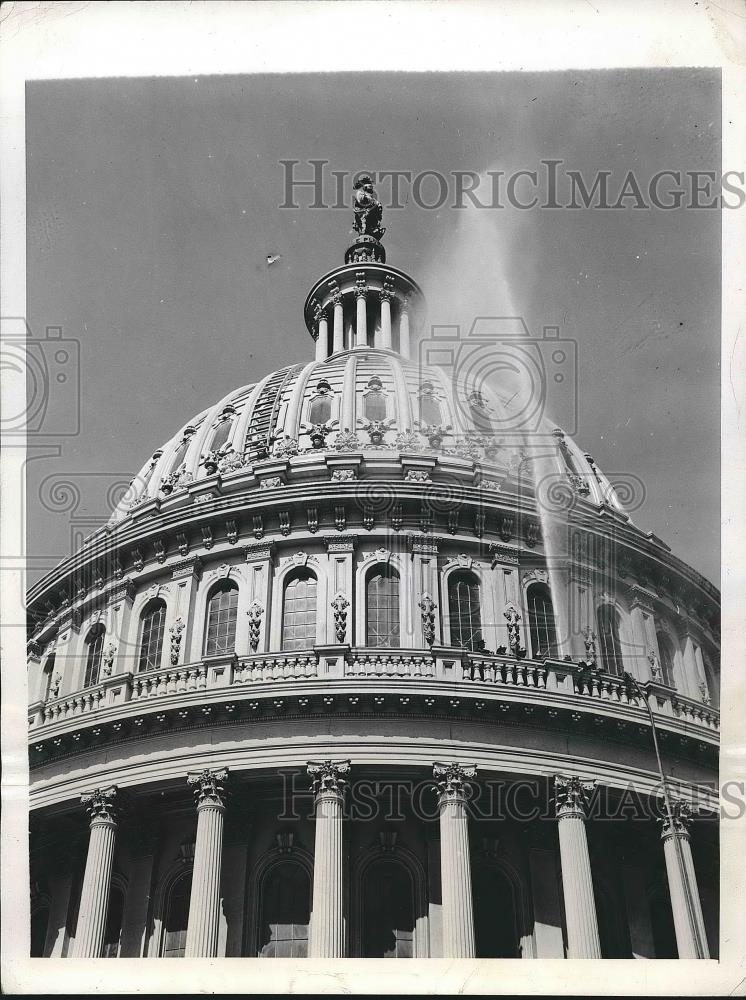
465 611
610 644
220 625
541 622
382 607
299 610
94 651
152 626
665 646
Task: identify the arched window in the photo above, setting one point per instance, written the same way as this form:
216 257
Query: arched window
320 411
609 641
375 404
285 912
177 917
429 406
95 648
46 682
495 926
541 623
179 455
388 911
221 434
465 613
222 610
667 659
382 607
152 624
39 927
299 611
113 930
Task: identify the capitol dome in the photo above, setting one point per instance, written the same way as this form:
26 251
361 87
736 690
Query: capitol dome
358 608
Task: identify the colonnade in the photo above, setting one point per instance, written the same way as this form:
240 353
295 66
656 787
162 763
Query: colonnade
329 779
364 298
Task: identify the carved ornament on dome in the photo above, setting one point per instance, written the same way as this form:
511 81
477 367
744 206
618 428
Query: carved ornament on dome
346 440
408 441
101 804
107 659
655 666
271 483
255 613
417 476
381 554
339 606
538 575
328 777
285 447
176 631
453 780
571 796
209 787
427 608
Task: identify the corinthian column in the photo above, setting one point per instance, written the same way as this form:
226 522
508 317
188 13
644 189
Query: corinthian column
338 331
322 339
94 897
577 882
204 902
455 862
327 923
404 330
385 319
691 938
361 335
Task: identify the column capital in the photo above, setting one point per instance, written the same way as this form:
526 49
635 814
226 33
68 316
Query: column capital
452 780
328 776
677 824
209 787
571 796
102 804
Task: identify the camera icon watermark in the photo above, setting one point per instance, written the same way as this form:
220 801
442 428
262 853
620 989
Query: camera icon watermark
505 381
50 365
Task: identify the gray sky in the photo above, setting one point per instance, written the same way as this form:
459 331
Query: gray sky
153 204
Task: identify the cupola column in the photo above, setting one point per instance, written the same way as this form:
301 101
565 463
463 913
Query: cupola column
204 902
338 333
322 338
361 332
577 882
94 896
327 937
385 332
404 329
452 781
689 925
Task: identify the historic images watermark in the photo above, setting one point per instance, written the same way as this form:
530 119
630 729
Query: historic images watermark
521 800
549 184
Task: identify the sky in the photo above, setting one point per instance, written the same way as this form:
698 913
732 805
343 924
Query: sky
153 204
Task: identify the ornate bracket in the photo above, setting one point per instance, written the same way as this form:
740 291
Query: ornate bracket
176 632
340 604
255 613
427 606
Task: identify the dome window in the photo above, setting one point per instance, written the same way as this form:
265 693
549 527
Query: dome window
610 642
152 625
465 612
222 612
299 611
382 607
374 401
541 622
95 649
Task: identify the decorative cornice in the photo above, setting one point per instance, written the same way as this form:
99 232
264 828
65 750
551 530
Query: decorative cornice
503 554
571 796
209 787
424 544
102 804
641 598
328 777
452 780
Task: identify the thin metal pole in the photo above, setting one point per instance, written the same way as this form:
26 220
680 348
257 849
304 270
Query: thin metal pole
688 895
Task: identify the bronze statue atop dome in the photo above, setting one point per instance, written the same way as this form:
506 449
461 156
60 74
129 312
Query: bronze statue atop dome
368 209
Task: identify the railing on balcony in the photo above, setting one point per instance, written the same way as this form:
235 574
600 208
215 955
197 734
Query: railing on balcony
441 664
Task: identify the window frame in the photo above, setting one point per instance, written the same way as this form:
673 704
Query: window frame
298 575
94 642
156 604
226 585
536 627
458 624
612 663
384 570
